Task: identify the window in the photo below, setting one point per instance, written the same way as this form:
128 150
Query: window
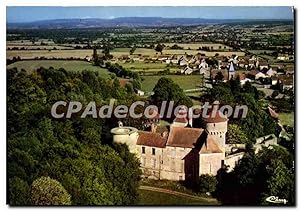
153 151
143 150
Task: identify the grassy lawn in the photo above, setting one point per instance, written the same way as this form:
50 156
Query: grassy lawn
157 198
184 81
287 118
67 65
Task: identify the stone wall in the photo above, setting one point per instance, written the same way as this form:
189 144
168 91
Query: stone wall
232 160
210 163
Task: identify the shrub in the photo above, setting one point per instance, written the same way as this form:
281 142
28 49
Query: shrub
206 183
47 191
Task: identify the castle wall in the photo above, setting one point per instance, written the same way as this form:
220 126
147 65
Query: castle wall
232 160
173 163
151 164
210 163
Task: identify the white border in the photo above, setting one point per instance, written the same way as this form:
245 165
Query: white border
114 3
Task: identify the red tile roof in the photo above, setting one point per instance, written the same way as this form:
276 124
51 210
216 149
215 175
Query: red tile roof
151 139
123 82
190 137
181 119
215 119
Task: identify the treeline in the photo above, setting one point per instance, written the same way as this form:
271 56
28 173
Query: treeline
75 155
18 58
257 122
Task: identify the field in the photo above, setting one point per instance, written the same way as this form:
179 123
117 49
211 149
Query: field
144 66
67 65
65 52
31 54
157 198
287 118
184 81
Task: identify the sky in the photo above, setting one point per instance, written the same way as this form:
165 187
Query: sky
29 13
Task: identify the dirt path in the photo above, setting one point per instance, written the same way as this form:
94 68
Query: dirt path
162 190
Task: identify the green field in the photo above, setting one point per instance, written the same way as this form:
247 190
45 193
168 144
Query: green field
67 65
144 66
157 198
117 52
184 81
287 118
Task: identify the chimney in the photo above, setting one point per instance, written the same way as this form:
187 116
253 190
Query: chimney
153 128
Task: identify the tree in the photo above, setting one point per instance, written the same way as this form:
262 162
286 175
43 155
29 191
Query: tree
235 135
275 93
75 151
19 192
280 182
132 50
206 183
167 90
129 88
159 48
47 191
219 76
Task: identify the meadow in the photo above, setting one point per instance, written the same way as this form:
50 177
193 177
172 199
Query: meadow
156 198
66 51
184 81
67 65
287 118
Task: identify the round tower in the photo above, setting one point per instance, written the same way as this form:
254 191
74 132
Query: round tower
216 126
125 135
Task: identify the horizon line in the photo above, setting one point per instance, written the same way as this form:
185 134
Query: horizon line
96 18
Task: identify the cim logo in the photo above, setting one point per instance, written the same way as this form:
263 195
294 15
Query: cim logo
276 200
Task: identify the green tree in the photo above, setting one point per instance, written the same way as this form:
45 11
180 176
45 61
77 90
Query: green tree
73 151
235 135
167 90
19 192
206 183
159 48
280 183
132 50
47 191
219 76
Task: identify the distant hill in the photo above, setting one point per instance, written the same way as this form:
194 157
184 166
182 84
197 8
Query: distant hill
125 22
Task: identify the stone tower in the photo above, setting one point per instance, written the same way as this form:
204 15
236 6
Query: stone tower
125 135
216 126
